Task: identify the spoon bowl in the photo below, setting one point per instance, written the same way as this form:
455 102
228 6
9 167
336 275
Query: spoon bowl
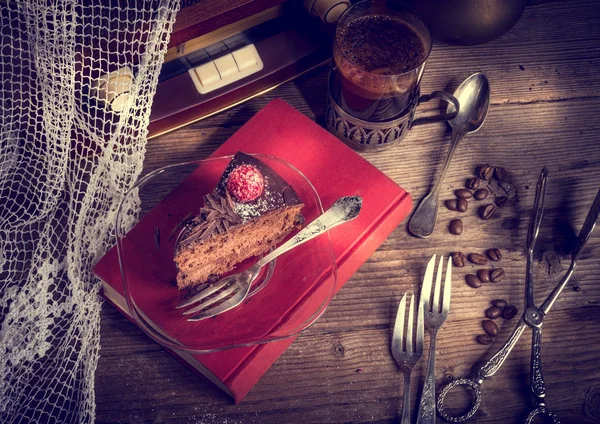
474 98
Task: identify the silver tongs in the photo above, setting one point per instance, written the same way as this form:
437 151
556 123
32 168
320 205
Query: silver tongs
532 317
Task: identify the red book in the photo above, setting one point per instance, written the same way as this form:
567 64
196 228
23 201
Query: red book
335 170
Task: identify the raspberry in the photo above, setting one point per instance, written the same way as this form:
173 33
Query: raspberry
245 183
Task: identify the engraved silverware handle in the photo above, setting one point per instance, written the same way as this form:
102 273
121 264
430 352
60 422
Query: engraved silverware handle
485 372
538 387
496 361
584 235
476 391
542 410
343 210
423 220
427 406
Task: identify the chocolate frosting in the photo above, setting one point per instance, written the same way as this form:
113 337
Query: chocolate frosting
221 211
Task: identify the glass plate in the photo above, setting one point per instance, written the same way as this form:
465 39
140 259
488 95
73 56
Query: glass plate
287 297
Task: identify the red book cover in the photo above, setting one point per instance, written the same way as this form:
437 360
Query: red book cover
335 170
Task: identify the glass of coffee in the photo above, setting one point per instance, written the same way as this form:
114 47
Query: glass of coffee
379 54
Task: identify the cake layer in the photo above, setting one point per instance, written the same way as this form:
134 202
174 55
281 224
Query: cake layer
199 260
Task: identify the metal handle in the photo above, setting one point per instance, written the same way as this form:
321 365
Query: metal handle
437 118
343 210
423 219
476 386
496 361
541 410
584 235
427 406
538 388
406 405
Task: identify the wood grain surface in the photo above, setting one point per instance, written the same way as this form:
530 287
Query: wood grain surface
545 103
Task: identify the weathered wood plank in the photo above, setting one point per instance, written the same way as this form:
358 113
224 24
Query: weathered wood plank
553 124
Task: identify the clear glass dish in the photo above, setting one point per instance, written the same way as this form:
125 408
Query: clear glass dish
287 297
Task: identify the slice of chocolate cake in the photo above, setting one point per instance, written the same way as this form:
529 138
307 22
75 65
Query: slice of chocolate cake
251 210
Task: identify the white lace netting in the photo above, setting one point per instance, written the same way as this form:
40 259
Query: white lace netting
66 159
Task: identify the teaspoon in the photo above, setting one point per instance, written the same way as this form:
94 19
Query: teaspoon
474 98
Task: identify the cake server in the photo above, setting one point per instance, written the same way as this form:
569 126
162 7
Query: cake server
229 292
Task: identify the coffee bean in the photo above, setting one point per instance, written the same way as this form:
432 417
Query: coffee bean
484 172
483 275
501 303
493 312
478 258
481 194
486 211
451 204
459 259
496 275
473 183
501 201
494 254
500 173
462 205
456 227
508 188
473 281
485 339
509 312
463 193
490 327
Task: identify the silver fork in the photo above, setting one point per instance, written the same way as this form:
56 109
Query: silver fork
408 355
434 318
229 292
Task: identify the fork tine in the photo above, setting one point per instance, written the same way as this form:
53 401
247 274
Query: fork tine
223 307
204 293
409 330
447 288
420 328
399 326
438 286
208 302
427 281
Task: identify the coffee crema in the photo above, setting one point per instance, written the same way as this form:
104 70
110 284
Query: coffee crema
381 45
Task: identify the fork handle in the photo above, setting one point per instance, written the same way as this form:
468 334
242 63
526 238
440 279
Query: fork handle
427 407
406 405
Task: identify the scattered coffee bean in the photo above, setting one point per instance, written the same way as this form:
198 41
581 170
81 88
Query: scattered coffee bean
509 312
473 281
478 258
462 205
483 275
459 259
485 172
486 211
481 194
463 193
485 339
473 183
493 312
496 275
508 189
500 173
501 201
451 204
494 254
501 303
456 227
490 327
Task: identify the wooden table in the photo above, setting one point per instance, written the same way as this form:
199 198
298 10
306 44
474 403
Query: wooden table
545 102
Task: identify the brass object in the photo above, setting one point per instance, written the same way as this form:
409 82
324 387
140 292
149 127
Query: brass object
469 22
